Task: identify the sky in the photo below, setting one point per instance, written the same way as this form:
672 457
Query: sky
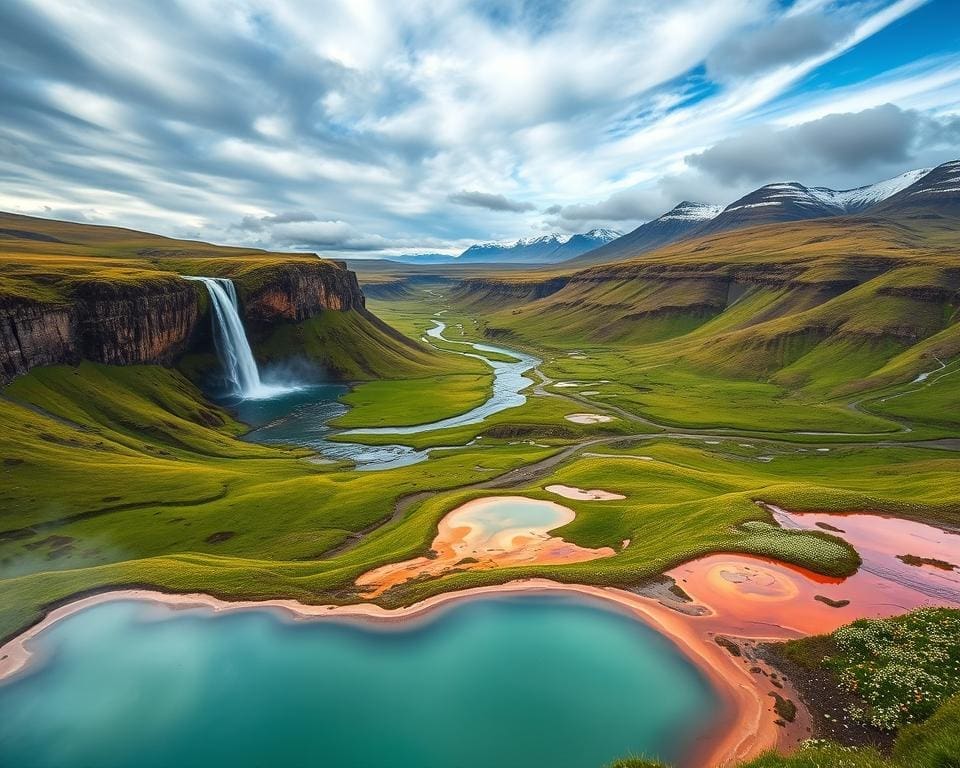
362 128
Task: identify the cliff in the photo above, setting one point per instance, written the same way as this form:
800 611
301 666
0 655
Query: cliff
157 317
297 292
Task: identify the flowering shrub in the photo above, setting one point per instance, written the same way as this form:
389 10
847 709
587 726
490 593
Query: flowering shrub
811 549
902 668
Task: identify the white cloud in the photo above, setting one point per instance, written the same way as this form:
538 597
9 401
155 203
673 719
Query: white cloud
401 124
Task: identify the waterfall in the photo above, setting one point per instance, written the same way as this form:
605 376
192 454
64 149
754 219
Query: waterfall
230 340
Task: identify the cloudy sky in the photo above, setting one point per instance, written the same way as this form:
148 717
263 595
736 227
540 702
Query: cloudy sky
359 128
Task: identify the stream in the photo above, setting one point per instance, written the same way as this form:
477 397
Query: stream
300 416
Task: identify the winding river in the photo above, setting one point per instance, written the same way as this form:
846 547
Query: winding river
300 416
508 384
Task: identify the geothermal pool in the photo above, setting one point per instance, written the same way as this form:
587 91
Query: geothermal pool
515 681
491 532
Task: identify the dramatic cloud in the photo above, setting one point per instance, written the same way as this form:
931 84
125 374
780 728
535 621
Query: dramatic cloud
351 127
628 205
490 202
884 135
261 223
788 40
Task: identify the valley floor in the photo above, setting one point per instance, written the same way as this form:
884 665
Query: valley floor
164 496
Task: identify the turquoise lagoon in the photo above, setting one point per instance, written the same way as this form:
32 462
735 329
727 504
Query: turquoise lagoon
528 681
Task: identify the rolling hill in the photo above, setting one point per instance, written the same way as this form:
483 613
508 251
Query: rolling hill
820 308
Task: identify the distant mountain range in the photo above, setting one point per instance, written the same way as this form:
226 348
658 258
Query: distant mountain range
924 190
672 226
936 189
545 249
542 249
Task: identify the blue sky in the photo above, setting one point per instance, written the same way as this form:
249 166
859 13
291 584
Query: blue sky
360 128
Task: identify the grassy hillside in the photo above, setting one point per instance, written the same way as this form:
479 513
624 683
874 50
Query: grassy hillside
47 260
162 493
796 321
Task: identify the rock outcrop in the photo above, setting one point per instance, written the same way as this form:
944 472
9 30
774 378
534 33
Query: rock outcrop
157 320
119 323
300 291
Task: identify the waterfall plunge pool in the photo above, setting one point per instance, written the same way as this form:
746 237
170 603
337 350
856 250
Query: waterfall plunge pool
299 414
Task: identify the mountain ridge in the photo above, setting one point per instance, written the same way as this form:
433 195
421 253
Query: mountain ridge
777 202
551 248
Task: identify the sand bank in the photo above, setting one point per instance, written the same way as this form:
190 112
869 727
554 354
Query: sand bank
580 494
588 418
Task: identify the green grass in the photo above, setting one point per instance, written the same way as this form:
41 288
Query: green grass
404 402
351 346
149 486
934 743
771 329
146 493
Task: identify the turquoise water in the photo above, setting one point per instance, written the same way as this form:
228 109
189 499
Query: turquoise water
505 682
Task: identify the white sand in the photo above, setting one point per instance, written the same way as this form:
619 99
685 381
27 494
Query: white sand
587 418
594 494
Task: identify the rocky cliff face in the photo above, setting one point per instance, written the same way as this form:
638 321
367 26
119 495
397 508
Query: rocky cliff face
156 321
118 323
300 291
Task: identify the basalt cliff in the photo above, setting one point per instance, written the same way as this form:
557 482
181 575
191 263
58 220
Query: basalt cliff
156 320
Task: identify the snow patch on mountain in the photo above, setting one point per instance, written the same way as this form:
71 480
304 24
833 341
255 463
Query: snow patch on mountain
860 198
687 211
549 248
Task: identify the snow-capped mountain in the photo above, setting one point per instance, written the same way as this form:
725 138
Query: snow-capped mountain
937 192
861 198
687 211
672 226
788 201
792 201
541 249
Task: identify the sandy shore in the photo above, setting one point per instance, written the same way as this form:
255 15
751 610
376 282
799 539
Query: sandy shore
742 727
